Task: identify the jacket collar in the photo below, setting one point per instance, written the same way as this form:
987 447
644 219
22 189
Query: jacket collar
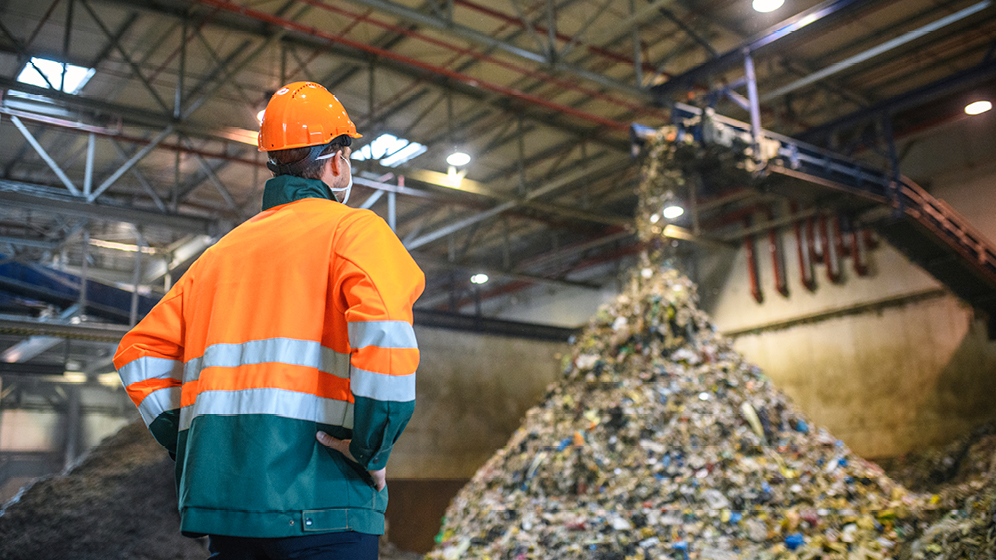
288 188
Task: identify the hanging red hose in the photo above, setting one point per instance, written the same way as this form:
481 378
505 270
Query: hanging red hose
755 286
871 241
815 240
801 246
838 239
858 251
777 261
831 258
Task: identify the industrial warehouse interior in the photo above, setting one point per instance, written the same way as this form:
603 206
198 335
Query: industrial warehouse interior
704 279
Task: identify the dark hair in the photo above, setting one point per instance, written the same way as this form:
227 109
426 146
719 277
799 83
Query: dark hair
308 167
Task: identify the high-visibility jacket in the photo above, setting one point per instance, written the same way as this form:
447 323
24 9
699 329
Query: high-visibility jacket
298 320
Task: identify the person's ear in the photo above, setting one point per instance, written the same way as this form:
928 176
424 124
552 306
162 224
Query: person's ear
336 163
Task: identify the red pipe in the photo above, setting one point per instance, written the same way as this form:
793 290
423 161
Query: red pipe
858 251
755 287
838 238
564 84
805 263
815 248
774 247
390 55
870 240
831 256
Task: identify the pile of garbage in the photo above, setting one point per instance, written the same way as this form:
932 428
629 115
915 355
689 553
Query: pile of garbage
661 441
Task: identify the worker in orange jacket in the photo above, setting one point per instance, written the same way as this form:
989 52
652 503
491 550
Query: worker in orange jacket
280 370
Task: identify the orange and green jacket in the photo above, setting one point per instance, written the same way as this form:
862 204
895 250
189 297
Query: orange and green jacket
298 320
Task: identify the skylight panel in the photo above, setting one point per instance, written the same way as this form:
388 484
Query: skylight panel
390 150
38 70
409 152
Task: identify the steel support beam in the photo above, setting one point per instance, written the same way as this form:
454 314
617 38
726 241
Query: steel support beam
821 13
852 61
474 36
384 54
124 54
83 331
611 166
257 23
44 199
924 94
130 163
44 155
181 255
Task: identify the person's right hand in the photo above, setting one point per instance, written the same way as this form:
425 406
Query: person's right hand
342 446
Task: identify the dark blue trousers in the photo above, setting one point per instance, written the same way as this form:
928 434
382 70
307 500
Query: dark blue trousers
347 545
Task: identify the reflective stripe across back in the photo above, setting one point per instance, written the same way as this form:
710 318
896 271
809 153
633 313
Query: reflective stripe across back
278 402
307 353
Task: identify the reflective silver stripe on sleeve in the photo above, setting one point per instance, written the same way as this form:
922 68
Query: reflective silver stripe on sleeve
291 351
382 387
158 402
278 402
383 334
150 367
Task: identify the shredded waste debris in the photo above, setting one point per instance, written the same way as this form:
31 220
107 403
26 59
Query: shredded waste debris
661 441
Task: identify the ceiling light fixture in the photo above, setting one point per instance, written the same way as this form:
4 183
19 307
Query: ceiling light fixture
259 116
673 211
765 6
479 278
978 107
458 159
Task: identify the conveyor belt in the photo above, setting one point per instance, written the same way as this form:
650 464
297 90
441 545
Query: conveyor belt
62 289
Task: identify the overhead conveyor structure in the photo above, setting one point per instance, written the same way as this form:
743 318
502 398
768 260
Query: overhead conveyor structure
927 230
62 289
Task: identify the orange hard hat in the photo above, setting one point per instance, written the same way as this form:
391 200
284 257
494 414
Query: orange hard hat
303 114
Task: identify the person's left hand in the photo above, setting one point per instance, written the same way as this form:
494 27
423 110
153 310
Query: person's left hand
342 446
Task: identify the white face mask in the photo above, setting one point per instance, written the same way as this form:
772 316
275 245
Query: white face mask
349 185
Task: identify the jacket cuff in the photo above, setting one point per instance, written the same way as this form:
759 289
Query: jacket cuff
371 460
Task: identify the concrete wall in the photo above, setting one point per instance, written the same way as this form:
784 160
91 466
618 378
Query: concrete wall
472 392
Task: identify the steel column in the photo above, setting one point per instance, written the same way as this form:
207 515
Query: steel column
755 108
136 277
91 142
84 269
